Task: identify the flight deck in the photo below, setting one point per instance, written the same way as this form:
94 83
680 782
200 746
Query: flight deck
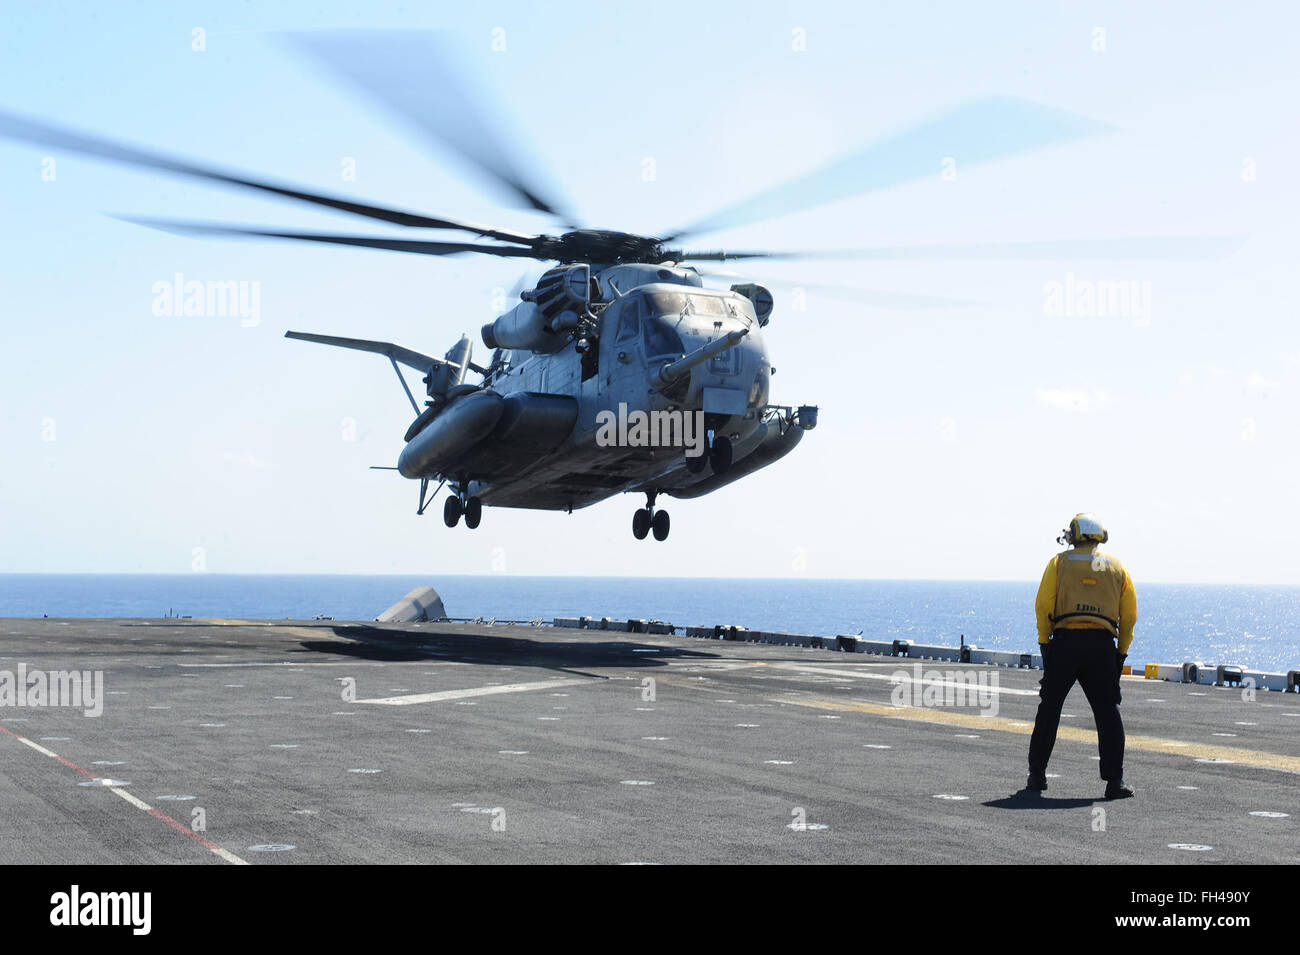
274 742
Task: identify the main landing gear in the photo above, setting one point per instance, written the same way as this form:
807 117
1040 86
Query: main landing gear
458 505
647 519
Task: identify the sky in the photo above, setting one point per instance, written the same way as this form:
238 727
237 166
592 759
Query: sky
953 442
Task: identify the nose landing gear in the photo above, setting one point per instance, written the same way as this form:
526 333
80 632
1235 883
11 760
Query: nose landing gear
647 520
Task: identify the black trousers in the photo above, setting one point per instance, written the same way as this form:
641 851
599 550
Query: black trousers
1087 656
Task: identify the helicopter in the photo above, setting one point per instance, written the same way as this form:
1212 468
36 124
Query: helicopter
619 370
685 366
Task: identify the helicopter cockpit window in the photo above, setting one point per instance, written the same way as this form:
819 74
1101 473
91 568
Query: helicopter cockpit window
707 305
682 303
661 337
666 303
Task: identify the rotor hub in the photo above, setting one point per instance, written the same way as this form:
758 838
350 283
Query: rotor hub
601 246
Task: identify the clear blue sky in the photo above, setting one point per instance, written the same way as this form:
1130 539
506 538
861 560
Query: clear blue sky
953 443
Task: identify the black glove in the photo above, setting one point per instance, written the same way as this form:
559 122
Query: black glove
1119 663
1045 650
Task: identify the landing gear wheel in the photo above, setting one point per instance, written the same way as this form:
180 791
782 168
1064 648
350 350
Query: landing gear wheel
697 464
641 523
720 455
451 511
473 512
660 525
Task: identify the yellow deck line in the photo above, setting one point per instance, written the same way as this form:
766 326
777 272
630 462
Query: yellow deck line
1153 744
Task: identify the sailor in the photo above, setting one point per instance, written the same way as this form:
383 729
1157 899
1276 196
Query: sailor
1086 610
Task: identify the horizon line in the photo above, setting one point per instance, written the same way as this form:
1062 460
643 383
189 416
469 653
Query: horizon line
496 575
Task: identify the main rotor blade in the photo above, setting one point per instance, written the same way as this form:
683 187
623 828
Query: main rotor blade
411 74
875 298
417 246
1153 248
982 130
25 129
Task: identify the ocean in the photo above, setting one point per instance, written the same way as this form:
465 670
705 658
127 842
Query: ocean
1249 626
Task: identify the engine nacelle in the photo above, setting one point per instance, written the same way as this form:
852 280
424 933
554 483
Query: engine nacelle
761 298
525 328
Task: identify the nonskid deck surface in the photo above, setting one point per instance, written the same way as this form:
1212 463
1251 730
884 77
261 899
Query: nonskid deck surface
331 742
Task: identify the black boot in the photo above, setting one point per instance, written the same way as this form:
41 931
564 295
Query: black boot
1118 789
1037 781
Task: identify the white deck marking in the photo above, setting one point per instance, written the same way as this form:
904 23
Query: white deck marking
472 692
40 749
138 803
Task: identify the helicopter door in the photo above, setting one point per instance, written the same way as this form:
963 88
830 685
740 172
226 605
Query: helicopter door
622 364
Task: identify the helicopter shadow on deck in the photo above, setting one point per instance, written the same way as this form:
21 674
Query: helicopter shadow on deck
449 646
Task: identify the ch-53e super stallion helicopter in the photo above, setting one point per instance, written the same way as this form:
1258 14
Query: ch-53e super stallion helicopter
684 366
619 371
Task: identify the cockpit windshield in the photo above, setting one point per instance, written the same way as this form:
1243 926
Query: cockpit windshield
667 314
679 303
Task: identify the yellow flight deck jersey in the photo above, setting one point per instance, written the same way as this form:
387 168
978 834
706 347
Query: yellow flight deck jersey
1084 587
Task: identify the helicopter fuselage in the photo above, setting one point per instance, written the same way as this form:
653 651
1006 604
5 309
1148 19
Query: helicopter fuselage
618 409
